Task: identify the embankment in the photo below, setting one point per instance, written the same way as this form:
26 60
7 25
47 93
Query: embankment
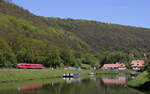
141 82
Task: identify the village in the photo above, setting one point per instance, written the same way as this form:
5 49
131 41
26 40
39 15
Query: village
135 65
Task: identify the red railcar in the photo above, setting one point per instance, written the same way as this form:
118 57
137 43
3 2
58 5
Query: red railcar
30 66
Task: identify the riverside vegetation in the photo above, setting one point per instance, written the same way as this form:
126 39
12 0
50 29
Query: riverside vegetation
143 80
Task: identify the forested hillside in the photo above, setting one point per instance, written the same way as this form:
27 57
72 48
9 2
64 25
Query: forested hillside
25 37
102 36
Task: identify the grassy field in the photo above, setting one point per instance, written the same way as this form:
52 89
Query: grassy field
7 75
14 85
139 81
19 74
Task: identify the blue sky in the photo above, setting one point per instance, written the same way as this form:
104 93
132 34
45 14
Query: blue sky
125 12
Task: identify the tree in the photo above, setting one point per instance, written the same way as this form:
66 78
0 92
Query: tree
31 51
7 57
147 65
89 59
128 61
69 57
53 57
114 57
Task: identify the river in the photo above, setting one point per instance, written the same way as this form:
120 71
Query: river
87 85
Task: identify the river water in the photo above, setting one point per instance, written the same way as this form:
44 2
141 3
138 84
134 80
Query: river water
88 85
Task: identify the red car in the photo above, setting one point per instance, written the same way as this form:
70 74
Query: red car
30 66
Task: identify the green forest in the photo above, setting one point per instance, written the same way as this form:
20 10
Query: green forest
56 42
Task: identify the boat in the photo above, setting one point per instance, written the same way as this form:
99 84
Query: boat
71 75
91 73
135 74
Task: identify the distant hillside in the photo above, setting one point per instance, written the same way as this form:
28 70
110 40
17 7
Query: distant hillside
13 10
26 37
102 36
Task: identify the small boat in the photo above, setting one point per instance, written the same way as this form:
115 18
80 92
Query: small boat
76 75
135 74
71 75
91 73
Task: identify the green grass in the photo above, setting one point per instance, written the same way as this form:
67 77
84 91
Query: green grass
7 75
13 85
20 75
139 80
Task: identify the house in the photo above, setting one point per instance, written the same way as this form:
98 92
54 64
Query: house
72 68
137 64
119 66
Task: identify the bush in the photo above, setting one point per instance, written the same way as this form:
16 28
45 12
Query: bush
147 65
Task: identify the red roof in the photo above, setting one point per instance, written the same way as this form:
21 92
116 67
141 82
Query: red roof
137 63
114 65
25 65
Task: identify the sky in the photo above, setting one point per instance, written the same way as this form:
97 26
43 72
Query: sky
125 12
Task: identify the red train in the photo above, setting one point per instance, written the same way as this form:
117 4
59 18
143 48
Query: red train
30 66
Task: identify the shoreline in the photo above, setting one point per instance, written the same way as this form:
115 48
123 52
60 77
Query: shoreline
141 82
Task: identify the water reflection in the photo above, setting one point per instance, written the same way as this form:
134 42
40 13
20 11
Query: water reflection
28 88
72 80
92 85
114 81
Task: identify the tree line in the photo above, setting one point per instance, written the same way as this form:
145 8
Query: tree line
35 51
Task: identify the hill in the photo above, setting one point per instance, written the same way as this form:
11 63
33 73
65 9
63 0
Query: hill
55 42
102 36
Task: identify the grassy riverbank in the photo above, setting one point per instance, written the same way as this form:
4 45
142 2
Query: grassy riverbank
141 82
20 75
19 84
7 75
